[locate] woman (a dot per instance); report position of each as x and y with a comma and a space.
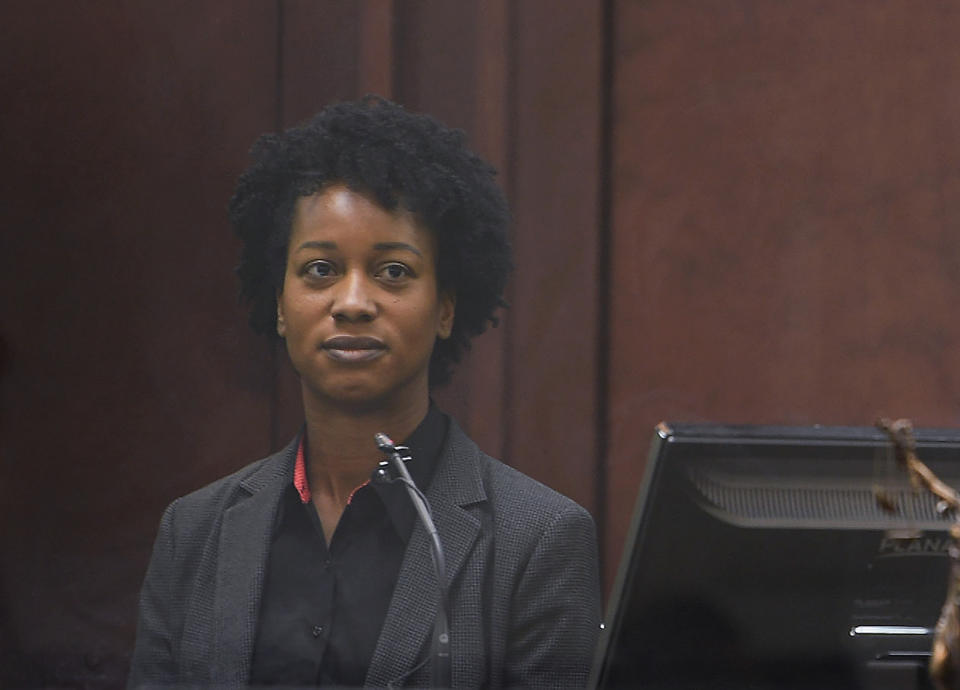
375, 245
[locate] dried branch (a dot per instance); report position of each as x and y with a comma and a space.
944, 665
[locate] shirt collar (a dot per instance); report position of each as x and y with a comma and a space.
424, 443
300, 474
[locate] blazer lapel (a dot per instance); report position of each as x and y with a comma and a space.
409, 622
245, 538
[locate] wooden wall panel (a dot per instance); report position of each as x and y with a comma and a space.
451, 63
521, 77
129, 376
377, 34
785, 209
552, 384
481, 378
321, 45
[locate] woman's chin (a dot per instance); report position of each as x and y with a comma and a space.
365, 397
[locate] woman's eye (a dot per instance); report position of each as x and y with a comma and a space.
318, 269
394, 271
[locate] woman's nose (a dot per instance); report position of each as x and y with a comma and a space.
353, 298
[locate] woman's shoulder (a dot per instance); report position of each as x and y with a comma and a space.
515, 495
211, 499
511, 483
532, 520
522, 504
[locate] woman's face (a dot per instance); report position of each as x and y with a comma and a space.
360, 307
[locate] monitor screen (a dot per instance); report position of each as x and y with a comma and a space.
759, 557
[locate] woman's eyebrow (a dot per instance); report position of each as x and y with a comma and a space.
317, 244
379, 246
382, 246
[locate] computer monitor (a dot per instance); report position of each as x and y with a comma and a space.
758, 557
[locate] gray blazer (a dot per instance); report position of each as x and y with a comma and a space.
522, 573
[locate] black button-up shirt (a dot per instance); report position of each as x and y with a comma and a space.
323, 605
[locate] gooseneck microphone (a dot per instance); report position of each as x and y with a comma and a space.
440, 676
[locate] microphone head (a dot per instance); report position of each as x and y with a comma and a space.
383, 442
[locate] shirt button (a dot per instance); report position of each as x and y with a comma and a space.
317, 630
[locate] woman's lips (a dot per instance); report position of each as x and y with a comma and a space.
348, 348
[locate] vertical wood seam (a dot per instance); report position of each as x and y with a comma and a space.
604, 282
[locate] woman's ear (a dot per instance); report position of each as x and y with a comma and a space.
448, 308
281, 322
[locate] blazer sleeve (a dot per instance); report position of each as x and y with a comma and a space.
555, 617
153, 655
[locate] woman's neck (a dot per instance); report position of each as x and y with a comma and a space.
341, 452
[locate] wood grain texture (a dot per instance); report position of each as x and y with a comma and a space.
782, 245
553, 357
784, 219
454, 63
129, 376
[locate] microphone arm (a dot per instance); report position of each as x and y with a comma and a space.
440, 648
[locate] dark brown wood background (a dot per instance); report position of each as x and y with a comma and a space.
727, 211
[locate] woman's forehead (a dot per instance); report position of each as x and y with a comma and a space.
338, 209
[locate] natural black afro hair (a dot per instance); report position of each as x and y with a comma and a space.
398, 158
